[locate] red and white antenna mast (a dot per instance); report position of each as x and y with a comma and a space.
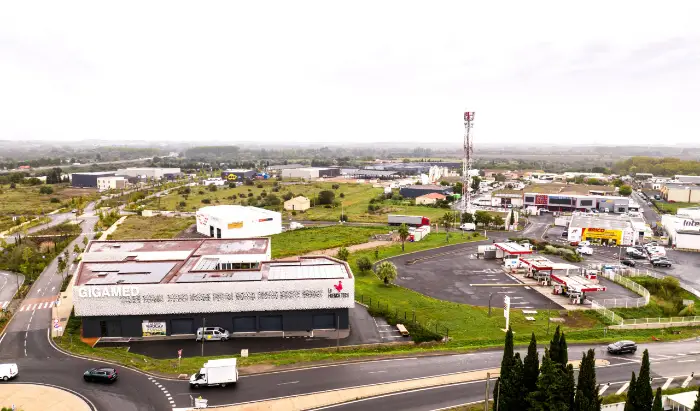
467, 160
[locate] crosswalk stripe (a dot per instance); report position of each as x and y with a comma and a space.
603, 388
46, 304
623, 388
666, 384
24, 307
687, 381
5, 304
33, 307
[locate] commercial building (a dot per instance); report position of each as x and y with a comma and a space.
683, 229
237, 174
172, 287
235, 221
430, 198
680, 192
297, 204
145, 173
576, 202
606, 229
111, 183
368, 174
89, 179
415, 191
216, 181
506, 199
308, 173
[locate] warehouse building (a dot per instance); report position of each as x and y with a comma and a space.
89, 179
235, 221
415, 191
111, 183
604, 229
308, 173
680, 192
576, 202
237, 174
683, 229
172, 287
145, 173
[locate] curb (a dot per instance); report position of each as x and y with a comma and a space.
77, 394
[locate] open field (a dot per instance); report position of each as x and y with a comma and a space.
137, 227
672, 208
26, 200
666, 299
306, 240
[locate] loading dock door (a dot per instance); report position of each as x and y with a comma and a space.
244, 324
218, 233
211, 231
271, 323
324, 321
182, 326
114, 328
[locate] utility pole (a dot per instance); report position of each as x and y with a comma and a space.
467, 160
486, 395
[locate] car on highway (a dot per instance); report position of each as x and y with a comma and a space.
622, 347
212, 334
103, 374
628, 262
8, 371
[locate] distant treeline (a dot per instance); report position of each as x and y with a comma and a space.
666, 166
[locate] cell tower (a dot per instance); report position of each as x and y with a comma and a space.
467, 160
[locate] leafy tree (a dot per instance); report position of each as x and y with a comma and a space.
446, 222
531, 366
403, 235
343, 254
326, 197
457, 187
497, 220
85, 240
467, 218
625, 190
62, 265
476, 181
364, 264
658, 406
386, 271
587, 398
482, 217
631, 397
76, 249
500, 177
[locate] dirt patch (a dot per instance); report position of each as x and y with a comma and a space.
579, 319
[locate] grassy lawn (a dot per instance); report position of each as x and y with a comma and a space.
666, 299
672, 208
305, 240
26, 200
143, 228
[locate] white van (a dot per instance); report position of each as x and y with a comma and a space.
8, 371
212, 334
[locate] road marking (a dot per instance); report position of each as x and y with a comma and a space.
290, 382
666, 384
681, 354
376, 372
686, 361
603, 388
623, 388
5, 304
687, 381
695, 352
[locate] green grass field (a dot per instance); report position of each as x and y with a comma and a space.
672, 208
666, 301
26, 200
306, 240
144, 228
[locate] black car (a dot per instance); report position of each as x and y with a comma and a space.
100, 375
638, 256
622, 347
628, 262
661, 263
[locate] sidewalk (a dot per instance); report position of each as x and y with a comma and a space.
29, 397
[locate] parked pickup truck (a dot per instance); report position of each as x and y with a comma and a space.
216, 372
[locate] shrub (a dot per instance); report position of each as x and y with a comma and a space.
13, 185
45, 190
55, 200
200, 192
206, 201
344, 217
335, 186
342, 195
363, 264
326, 197
259, 186
250, 194
212, 187
343, 254
287, 196
294, 212
183, 204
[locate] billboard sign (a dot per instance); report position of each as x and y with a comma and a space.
153, 328
235, 224
541, 199
602, 234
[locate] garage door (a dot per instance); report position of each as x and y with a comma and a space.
244, 324
322, 321
271, 323
182, 326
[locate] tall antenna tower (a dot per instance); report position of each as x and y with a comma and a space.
467, 160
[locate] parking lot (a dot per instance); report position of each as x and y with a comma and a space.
455, 274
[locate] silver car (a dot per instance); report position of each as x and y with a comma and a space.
212, 334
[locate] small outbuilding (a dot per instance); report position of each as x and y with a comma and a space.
430, 198
299, 203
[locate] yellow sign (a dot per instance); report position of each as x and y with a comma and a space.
601, 233
231, 177
238, 224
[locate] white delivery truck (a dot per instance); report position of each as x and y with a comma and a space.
8, 371
467, 227
216, 372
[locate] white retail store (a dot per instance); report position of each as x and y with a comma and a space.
234, 221
683, 229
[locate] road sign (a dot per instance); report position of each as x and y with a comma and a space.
56, 323
506, 310
179, 354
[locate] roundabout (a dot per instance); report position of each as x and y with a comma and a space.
34, 397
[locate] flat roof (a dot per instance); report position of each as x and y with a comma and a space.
606, 221
237, 170
237, 211
95, 173
577, 283
197, 261
513, 248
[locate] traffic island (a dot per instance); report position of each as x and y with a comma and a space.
33, 397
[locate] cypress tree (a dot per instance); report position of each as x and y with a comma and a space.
508, 390
563, 351
569, 386
549, 394
644, 395
587, 398
554, 346
696, 407
657, 402
630, 403
531, 367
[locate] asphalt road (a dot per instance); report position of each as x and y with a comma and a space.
9, 283
56, 219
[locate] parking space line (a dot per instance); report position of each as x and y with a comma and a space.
666, 384
623, 388
687, 381
603, 388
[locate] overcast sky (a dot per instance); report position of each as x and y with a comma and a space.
622, 72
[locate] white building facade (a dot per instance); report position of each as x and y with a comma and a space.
235, 221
